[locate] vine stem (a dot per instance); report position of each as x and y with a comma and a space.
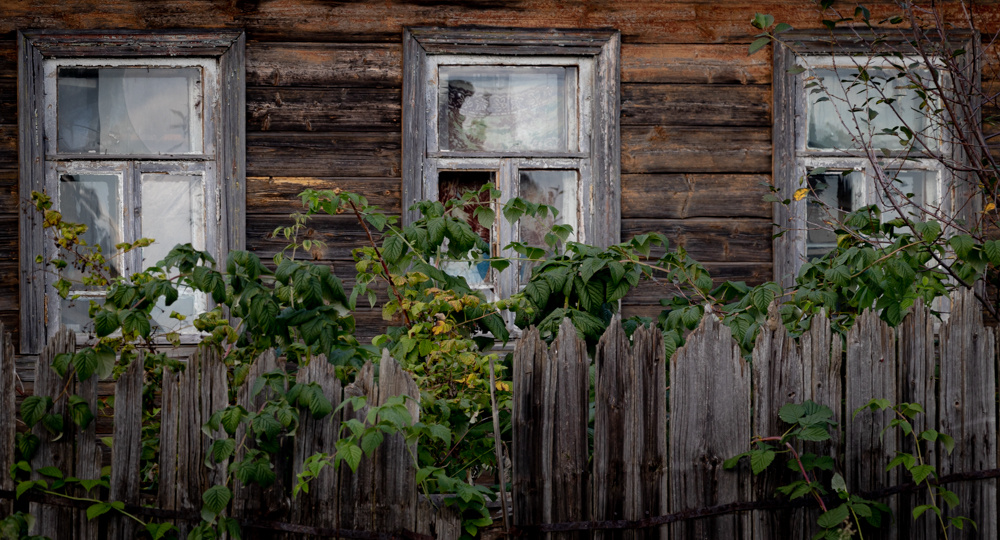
381, 260
802, 468
95, 501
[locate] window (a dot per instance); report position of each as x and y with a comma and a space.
533, 112
139, 135
831, 112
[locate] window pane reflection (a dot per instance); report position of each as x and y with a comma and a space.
506, 108
93, 200
129, 110
554, 188
452, 185
831, 197
831, 125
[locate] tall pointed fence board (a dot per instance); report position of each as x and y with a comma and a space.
126, 451
189, 399
785, 371
73, 451
871, 374
630, 422
917, 383
8, 418
709, 423
967, 409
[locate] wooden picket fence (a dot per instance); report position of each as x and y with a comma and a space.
618, 441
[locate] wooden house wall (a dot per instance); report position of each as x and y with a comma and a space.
324, 108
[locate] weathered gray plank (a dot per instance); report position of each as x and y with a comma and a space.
325, 64
693, 63
87, 458
967, 409
316, 435
709, 423
127, 446
526, 455
250, 501
442, 522
8, 420
168, 463
673, 149
683, 196
564, 430
356, 487
789, 371
695, 105
395, 500
917, 384
871, 374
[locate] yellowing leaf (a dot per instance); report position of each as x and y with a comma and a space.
989, 207
503, 386
801, 194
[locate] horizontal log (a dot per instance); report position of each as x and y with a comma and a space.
8, 100
695, 105
8, 237
652, 291
666, 149
646, 21
693, 64
324, 64
8, 191
341, 234
326, 109
8, 146
710, 240
280, 195
9, 299
679, 196
366, 154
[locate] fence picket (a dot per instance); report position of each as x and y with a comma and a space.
395, 490
127, 446
526, 456
319, 506
709, 422
968, 411
8, 420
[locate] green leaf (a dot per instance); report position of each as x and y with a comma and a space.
392, 248
33, 408
834, 517
919, 511
217, 498
351, 454
23, 487
105, 322
95, 510
370, 441
158, 530
962, 244
761, 460
51, 472
921, 472
758, 44
814, 433
791, 413
485, 215
838, 484
222, 449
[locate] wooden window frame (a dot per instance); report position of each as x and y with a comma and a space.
597, 157
226, 49
791, 160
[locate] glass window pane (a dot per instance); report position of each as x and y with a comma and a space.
831, 125
173, 212
452, 185
93, 200
497, 109
554, 188
831, 197
129, 110
74, 314
917, 189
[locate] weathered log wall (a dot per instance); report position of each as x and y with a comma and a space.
323, 110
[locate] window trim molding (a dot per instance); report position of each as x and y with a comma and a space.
789, 219
603, 46
34, 47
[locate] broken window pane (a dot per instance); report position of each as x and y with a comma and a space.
831, 197
123, 111
452, 185
93, 200
173, 212
884, 102
554, 188
495, 109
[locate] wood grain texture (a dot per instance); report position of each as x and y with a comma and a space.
786, 370
8, 192
356, 487
373, 153
127, 450
695, 105
650, 292
319, 507
280, 195
528, 491
8, 421
301, 65
967, 409
668, 149
323, 109
394, 488
682, 196
341, 234
31, 170
693, 63
710, 240
871, 374
706, 432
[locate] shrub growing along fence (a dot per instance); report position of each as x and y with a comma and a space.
640, 466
